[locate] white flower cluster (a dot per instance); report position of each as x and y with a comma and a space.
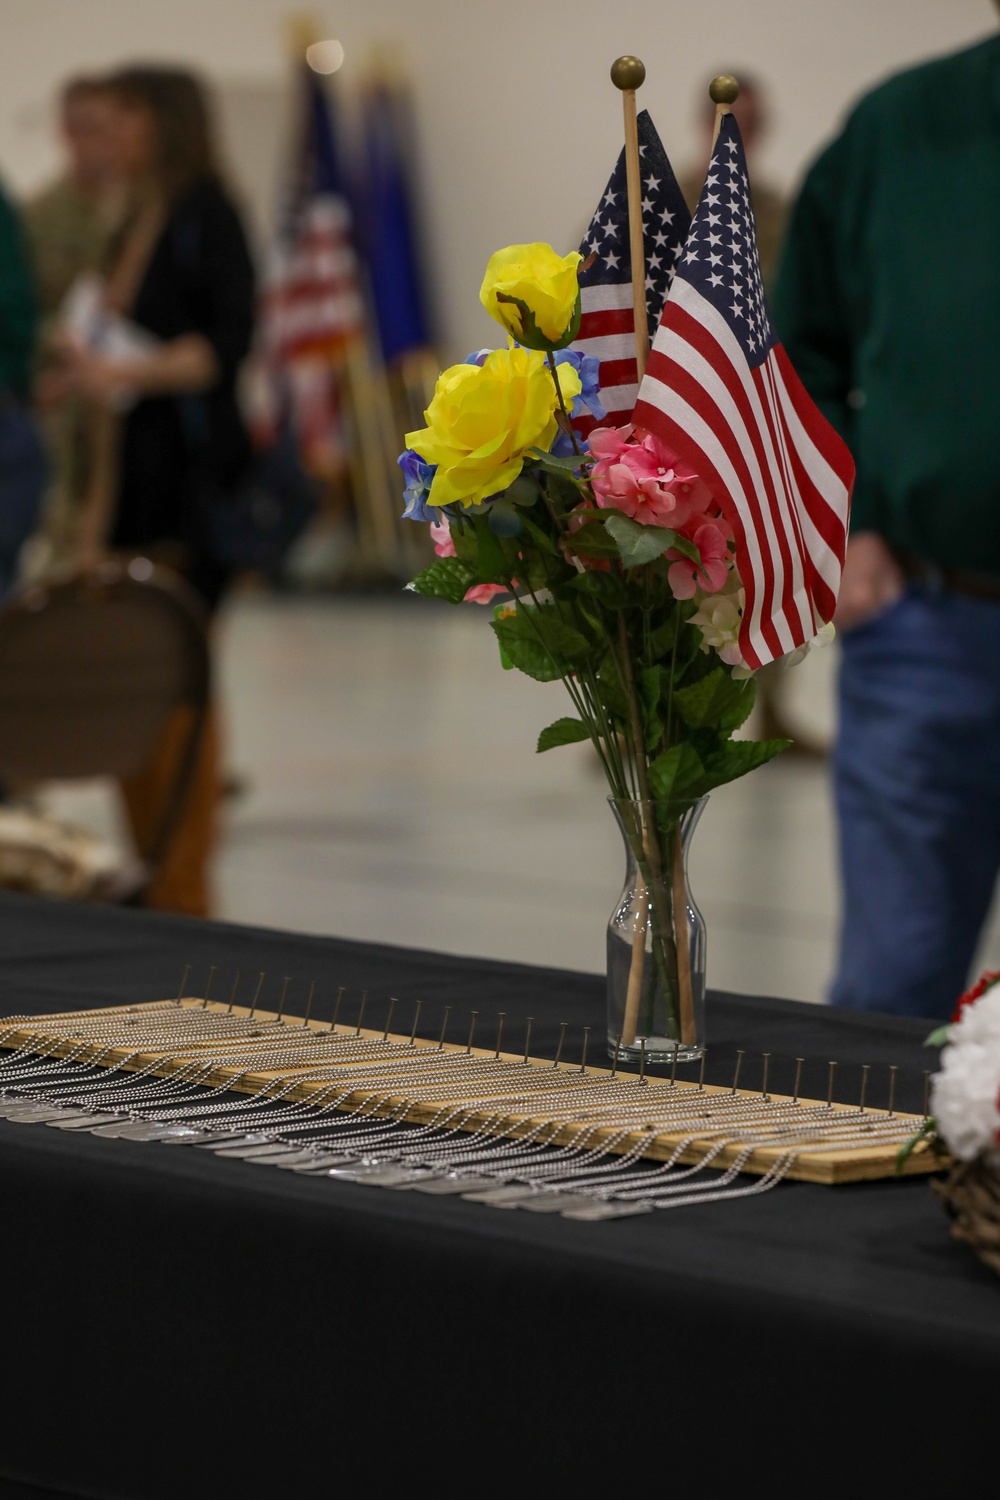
966, 1093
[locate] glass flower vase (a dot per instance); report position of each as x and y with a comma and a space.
656, 937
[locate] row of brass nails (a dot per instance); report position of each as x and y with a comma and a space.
563, 1028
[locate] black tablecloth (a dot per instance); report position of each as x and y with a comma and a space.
178, 1325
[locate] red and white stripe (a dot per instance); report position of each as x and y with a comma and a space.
312, 298
780, 472
607, 330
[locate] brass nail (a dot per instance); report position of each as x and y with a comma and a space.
831, 1070
865, 1070
309, 1003
798, 1079
444, 1027
927, 1093
618, 1047
642, 1059
527, 1038
183, 984
208, 986
388, 1019
767, 1067
284, 997
472, 1029
583, 1055
416, 1022
502, 1018
892, 1090
701, 1071
260, 986
336, 1008
361, 1012
562, 1037
673, 1064
736, 1075
232, 995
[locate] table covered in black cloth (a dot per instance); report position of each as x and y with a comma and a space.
180, 1326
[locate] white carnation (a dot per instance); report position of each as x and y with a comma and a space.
966, 1093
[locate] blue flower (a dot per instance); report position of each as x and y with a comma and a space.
588, 403
588, 367
419, 476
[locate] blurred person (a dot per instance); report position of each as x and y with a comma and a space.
889, 306
70, 222
70, 225
158, 360
23, 465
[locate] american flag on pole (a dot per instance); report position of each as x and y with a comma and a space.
312, 305
720, 390
607, 324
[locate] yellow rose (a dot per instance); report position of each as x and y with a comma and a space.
483, 418
535, 294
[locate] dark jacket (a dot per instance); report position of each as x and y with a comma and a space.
888, 303
199, 280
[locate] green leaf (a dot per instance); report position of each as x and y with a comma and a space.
541, 538
644, 544
677, 773
539, 643
591, 540
715, 698
928, 1129
448, 578
605, 588
939, 1037
650, 683
737, 757
531, 336
562, 732
522, 492
566, 465
495, 556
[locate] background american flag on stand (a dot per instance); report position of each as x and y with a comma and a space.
720, 390
312, 305
607, 324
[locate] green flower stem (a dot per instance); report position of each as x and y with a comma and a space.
662, 907
550, 357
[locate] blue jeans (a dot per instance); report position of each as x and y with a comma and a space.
23, 474
917, 776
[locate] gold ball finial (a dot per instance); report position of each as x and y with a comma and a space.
627, 72
724, 89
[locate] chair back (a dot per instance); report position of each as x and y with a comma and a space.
93, 668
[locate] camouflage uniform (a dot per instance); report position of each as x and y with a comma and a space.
69, 233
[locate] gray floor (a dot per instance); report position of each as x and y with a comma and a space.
393, 794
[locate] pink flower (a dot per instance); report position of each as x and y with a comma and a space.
645, 479
441, 537
710, 575
482, 593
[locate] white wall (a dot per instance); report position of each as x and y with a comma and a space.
519, 125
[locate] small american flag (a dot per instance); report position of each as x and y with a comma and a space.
720, 390
312, 305
607, 324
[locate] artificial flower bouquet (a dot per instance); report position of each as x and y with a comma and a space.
608, 565
965, 1118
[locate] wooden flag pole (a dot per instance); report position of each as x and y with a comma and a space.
723, 92
627, 74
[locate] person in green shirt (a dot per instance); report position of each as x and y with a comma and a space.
888, 303
22, 456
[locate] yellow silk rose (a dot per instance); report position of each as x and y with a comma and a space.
483, 418
535, 294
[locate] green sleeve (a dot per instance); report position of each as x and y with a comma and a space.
18, 305
812, 305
